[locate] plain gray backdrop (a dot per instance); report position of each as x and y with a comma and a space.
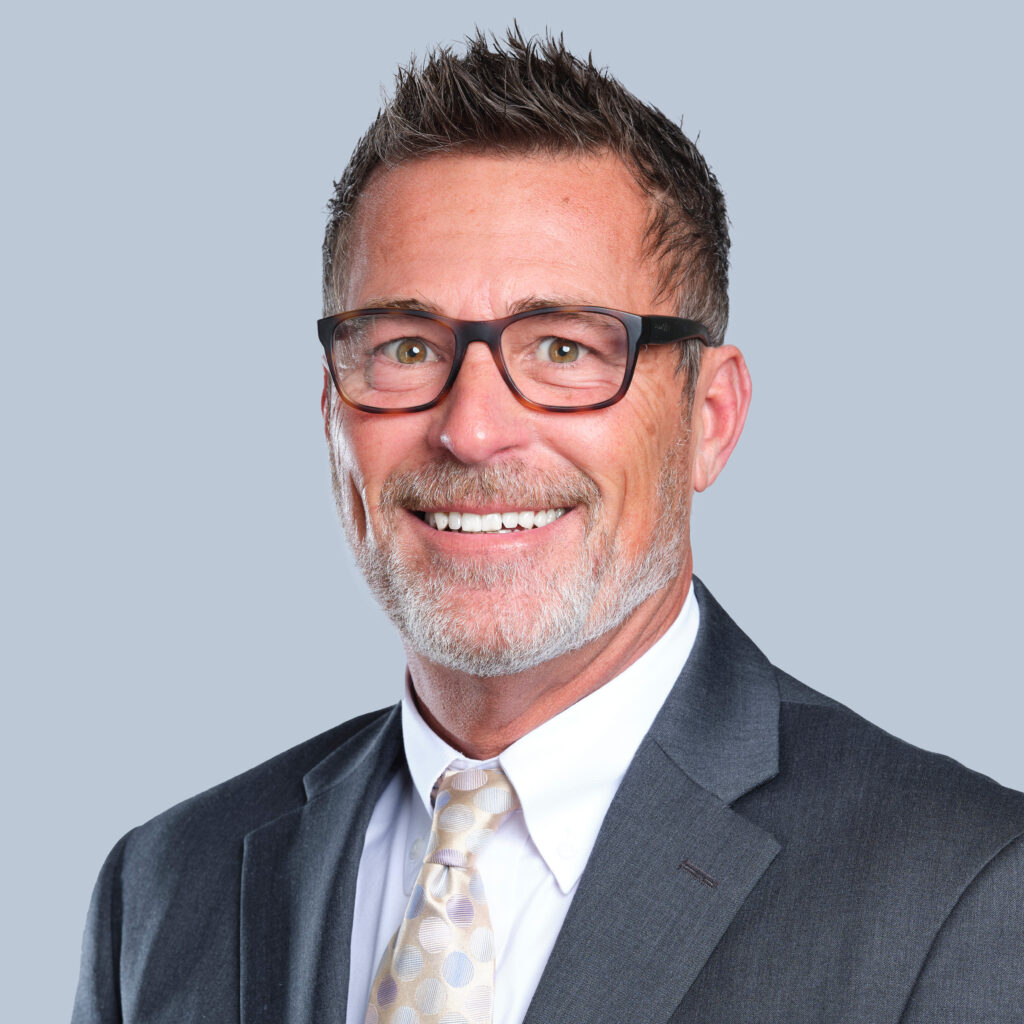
178, 603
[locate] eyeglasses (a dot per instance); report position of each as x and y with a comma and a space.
556, 359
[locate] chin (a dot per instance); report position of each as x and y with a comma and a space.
489, 621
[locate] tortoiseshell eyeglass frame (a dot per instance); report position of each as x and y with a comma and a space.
640, 331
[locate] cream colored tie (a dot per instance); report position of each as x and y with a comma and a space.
439, 967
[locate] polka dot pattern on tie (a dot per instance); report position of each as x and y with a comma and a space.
439, 967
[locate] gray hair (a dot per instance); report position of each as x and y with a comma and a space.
534, 96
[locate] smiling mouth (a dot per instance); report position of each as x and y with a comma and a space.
491, 522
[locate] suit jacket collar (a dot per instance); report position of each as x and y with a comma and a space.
720, 723
360, 759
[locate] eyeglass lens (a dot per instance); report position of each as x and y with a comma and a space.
564, 358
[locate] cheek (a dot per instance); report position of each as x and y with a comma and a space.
649, 431
345, 475
339, 438
626, 469
371, 448
647, 472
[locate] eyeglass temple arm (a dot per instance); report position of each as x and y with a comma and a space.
662, 330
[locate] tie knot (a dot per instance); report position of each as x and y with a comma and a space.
468, 808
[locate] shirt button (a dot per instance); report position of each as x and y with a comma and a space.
416, 849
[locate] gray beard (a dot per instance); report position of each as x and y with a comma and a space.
531, 612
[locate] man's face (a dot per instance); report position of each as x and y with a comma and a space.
479, 237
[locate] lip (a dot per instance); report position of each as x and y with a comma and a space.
479, 509
456, 542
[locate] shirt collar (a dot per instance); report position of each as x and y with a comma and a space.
567, 770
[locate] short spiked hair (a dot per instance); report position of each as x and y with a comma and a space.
534, 96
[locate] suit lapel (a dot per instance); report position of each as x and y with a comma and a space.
298, 886
673, 862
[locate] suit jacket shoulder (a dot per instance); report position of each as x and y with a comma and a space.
167, 925
889, 856
226, 812
858, 775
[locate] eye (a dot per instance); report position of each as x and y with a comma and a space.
560, 350
409, 351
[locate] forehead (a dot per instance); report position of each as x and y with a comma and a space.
475, 234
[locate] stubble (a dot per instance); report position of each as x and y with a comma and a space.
492, 619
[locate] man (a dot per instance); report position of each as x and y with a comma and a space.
597, 801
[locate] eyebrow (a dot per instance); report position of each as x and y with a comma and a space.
523, 305
541, 301
388, 302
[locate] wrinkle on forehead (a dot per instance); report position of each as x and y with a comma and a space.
544, 213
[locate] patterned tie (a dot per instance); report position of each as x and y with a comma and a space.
439, 967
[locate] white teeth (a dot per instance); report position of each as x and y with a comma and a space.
492, 522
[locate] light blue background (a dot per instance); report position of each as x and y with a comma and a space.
178, 604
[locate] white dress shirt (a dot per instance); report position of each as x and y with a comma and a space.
565, 772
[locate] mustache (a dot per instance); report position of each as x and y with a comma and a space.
444, 484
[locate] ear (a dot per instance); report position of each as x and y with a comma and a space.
719, 411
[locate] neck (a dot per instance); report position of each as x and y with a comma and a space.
480, 717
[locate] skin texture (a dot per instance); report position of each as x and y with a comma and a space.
478, 237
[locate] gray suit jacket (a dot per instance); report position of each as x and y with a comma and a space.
769, 857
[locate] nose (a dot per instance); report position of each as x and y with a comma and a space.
480, 418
